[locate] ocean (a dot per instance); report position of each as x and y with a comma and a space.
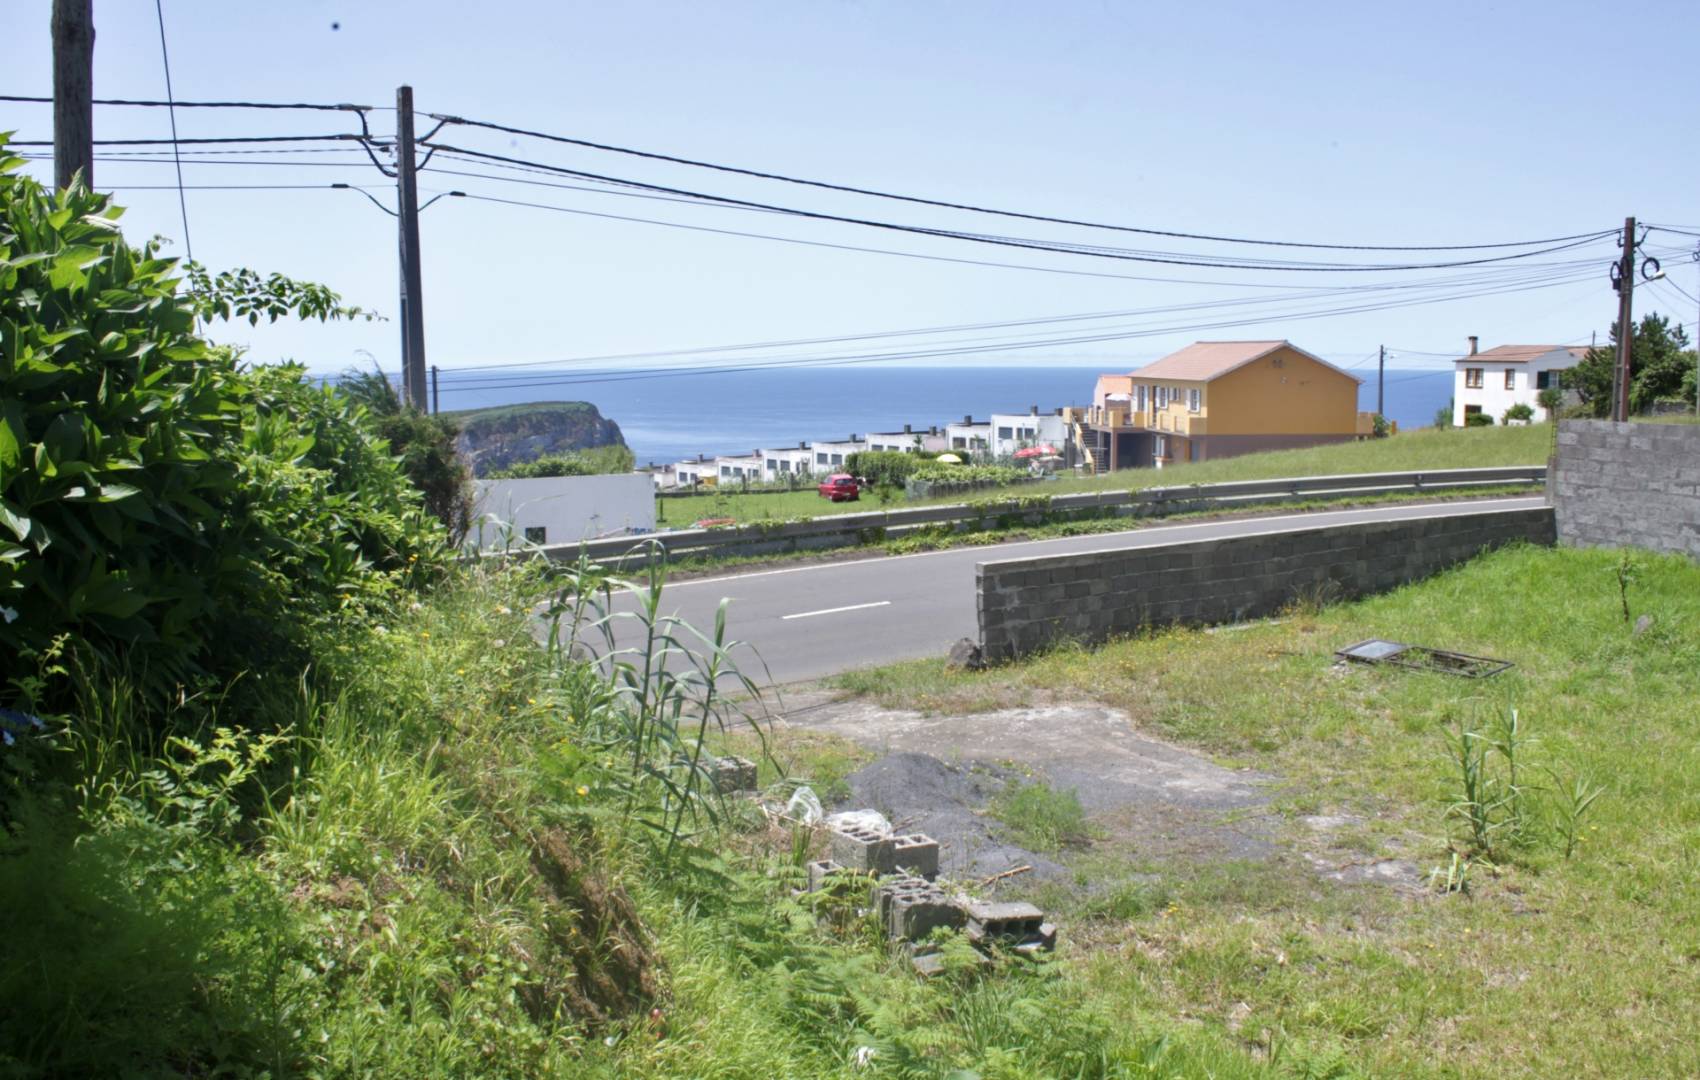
680, 416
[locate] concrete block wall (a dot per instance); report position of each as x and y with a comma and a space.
1026, 604
1628, 485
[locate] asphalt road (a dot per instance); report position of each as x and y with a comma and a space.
820, 619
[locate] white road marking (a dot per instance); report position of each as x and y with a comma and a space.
836, 610
1465, 506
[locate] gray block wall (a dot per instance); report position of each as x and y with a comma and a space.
1628, 485
1026, 604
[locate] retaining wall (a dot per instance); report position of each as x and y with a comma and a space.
1026, 604
1628, 485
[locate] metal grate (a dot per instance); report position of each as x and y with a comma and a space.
1422, 658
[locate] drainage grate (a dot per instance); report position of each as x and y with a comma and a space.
1422, 658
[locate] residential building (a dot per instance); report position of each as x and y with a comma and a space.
1217, 399
690, 473
908, 440
781, 464
559, 509
969, 437
1013, 431
738, 468
662, 476
1493, 381
829, 455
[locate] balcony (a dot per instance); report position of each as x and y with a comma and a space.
1111, 418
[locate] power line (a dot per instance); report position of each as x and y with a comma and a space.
167, 104
171, 111
826, 185
1163, 258
340, 137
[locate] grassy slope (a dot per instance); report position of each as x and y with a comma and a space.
1548, 967
1426, 448
499, 413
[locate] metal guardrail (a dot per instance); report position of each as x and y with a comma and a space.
839, 530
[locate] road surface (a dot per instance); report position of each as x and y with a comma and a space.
824, 618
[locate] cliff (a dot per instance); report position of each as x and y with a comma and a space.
498, 437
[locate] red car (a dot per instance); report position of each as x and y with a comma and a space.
841, 487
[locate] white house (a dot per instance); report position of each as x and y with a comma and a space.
690, 473
781, 464
908, 440
737, 469
1491, 382
829, 456
1012, 431
969, 437
560, 509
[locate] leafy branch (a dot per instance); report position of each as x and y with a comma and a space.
244, 294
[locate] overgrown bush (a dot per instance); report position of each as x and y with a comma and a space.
170, 513
425, 445
1478, 419
882, 467
1519, 411
969, 474
589, 461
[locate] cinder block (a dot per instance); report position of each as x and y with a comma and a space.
733, 774
863, 850
821, 870
916, 853
1006, 922
913, 913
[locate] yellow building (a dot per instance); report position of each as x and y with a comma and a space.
1217, 399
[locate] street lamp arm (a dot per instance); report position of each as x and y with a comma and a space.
369, 198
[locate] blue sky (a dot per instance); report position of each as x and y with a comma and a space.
1436, 123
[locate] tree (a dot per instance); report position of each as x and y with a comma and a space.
426, 446
1658, 367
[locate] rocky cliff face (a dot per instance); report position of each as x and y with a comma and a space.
497, 438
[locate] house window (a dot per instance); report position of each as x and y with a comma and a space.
820, 459
536, 534
957, 442
838, 459
1160, 446
1547, 380
1006, 433
1141, 397
1162, 396
773, 464
1511, 378
1194, 400
1473, 378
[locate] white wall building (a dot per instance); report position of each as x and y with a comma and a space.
1491, 382
560, 509
736, 469
781, 464
1012, 431
969, 437
692, 472
906, 441
830, 455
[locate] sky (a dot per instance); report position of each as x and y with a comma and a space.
1349, 123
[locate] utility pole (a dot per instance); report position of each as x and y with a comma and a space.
73, 91
435, 408
407, 213
1625, 322
1381, 384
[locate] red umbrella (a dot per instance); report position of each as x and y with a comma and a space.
1044, 450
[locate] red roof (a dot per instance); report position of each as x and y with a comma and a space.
1205, 360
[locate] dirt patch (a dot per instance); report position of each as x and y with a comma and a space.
938, 774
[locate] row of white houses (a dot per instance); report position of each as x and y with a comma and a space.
997, 436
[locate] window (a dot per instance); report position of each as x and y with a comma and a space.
1141, 397
957, 442
774, 464
1549, 380
1160, 446
1473, 378
838, 459
1006, 433
536, 534
820, 459
1194, 400
1162, 397
1511, 378
1027, 433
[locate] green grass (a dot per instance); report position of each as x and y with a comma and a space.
1547, 965
1041, 818
1424, 448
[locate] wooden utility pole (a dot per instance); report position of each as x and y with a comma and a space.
435, 407
73, 91
407, 213
1625, 322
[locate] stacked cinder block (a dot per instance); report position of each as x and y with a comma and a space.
1018, 925
912, 907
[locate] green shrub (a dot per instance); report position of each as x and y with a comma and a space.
1478, 420
1519, 411
882, 468
590, 461
168, 511
1041, 818
969, 474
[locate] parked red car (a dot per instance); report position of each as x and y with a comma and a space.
841, 487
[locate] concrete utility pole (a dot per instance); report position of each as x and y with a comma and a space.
1625, 322
73, 91
1381, 384
407, 213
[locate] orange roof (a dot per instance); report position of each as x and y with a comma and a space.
1517, 354
1205, 360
